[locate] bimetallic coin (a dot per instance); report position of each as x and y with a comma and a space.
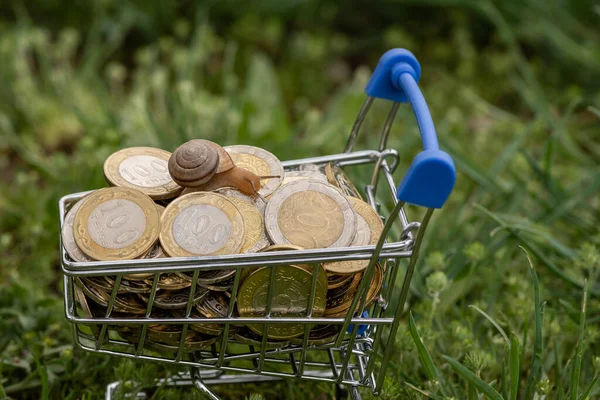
200, 224
160, 209
116, 223
142, 168
260, 162
368, 232
67, 235
337, 177
293, 176
253, 212
290, 298
311, 214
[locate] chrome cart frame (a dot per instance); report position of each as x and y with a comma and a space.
357, 358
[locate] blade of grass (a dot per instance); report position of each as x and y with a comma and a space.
424, 356
504, 381
536, 251
423, 392
536, 362
586, 393
473, 379
576, 371
514, 367
496, 325
43, 373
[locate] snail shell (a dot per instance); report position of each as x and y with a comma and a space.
225, 161
195, 162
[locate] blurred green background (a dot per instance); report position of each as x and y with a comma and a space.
513, 89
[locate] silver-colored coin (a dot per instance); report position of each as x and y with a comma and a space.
261, 163
311, 214
293, 176
131, 215
67, 235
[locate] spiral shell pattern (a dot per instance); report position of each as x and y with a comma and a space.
194, 162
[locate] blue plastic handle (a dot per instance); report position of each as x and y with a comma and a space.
431, 175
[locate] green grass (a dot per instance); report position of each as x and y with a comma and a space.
513, 89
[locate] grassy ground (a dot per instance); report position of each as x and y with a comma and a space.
513, 88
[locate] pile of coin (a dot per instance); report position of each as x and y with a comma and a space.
207, 200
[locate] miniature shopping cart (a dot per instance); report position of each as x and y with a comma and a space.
360, 354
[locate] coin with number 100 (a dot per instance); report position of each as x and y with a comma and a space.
201, 224
116, 223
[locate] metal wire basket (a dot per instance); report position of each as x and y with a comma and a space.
357, 356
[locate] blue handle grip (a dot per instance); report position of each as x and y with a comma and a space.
431, 175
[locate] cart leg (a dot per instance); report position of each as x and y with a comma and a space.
354, 393
343, 392
198, 384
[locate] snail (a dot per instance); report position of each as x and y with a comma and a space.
204, 165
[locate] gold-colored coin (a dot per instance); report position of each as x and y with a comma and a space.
337, 177
116, 223
254, 224
335, 281
290, 298
311, 214
342, 303
368, 232
142, 168
201, 224
319, 335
